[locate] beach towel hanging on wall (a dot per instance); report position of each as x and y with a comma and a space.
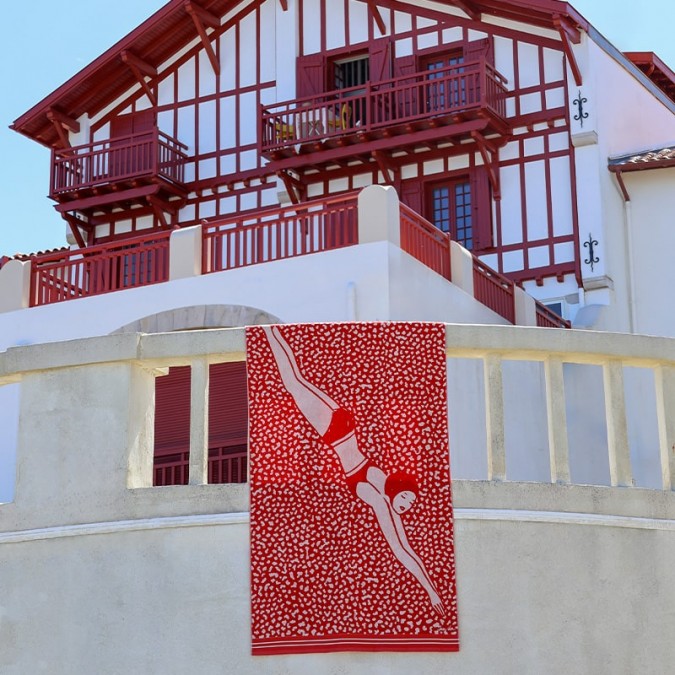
351, 512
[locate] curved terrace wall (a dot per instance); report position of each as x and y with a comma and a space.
104, 574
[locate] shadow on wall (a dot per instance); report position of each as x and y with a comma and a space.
198, 317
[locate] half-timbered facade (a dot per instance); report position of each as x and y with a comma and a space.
492, 119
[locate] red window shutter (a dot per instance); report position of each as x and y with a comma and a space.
381, 60
404, 67
311, 75
134, 123
228, 405
172, 412
480, 48
482, 209
411, 195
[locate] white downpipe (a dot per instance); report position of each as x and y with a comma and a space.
628, 224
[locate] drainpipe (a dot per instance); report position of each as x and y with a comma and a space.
628, 238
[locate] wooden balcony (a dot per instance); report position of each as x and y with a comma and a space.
118, 170
424, 108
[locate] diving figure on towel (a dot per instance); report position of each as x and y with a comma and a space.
389, 496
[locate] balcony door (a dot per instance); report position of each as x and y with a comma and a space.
131, 144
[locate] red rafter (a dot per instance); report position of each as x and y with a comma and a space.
488, 154
377, 17
140, 69
75, 224
62, 122
468, 7
200, 17
563, 28
284, 5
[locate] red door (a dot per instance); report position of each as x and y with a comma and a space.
131, 144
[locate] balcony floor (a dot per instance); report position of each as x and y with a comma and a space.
120, 193
406, 138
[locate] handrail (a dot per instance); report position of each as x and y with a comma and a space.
454, 89
278, 233
148, 153
103, 268
547, 318
494, 290
424, 241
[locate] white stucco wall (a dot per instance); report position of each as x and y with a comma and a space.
626, 117
652, 223
102, 578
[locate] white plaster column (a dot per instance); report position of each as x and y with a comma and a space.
15, 285
461, 267
185, 253
379, 215
85, 436
526, 308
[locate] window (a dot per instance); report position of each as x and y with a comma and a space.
451, 210
353, 72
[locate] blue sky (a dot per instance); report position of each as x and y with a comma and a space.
41, 51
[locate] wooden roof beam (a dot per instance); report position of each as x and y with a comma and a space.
140, 69
377, 17
389, 171
200, 17
143, 66
295, 188
489, 155
284, 5
75, 223
468, 7
61, 123
563, 27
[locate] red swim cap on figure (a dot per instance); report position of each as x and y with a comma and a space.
400, 482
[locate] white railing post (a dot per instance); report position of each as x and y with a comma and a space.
617, 427
379, 215
199, 422
15, 285
185, 252
525, 308
461, 267
557, 421
494, 417
664, 377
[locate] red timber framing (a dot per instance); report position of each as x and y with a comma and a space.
219, 78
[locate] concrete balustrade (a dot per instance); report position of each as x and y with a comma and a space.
491, 346
542, 568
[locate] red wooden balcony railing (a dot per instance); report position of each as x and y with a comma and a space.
425, 242
225, 466
547, 318
471, 87
276, 234
150, 154
66, 275
494, 290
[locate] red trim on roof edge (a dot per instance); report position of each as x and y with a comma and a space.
171, 28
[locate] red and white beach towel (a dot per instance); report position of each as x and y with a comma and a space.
324, 577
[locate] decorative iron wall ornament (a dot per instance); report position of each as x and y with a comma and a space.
590, 245
579, 102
